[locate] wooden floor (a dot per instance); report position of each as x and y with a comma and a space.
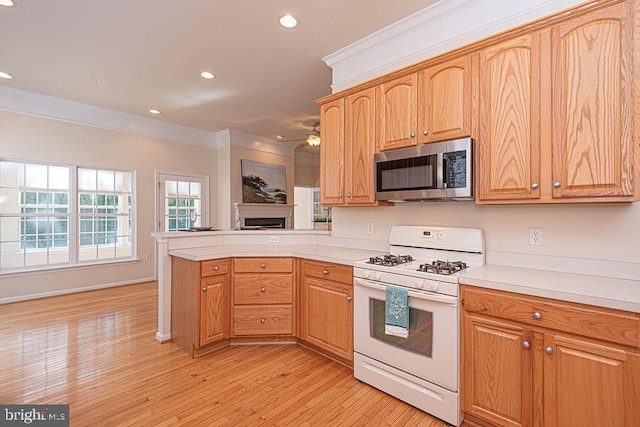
96, 352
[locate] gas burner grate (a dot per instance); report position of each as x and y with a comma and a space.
443, 267
390, 260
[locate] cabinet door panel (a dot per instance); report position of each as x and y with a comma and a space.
497, 372
589, 384
214, 309
592, 105
397, 113
508, 144
332, 153
444, 101
360, 146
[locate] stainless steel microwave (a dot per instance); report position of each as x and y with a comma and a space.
439, 170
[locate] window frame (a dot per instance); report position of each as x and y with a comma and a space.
161, 178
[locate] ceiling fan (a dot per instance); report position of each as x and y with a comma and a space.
313, 136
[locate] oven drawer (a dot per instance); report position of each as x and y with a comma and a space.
263, 265
328, 271
263, 289
263, 320
599, 323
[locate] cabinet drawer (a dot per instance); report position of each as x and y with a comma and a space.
214, 266
333, 272
263, 289
589, 321
263, 320
263, 265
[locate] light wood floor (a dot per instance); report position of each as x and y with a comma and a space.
96, 352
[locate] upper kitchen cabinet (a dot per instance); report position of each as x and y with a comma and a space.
346, 152
433, 104
444, 101
508, 140
592, 112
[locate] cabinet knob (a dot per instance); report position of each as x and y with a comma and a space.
262, 320
534, 185
425, 132
263, 290
204, 289
556, 185
548, 350
325, 272
413, 135
526, 344
340, 195
348, 195
263, 266
537, 316
349, 298
216, 268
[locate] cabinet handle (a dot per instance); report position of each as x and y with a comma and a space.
216, 268
556, 185
339, 195
526, 344
325, 272
425, 132
548, 350
262, 320
534, 185
263, 266
204, 289
348, 195
537, 316
349, 298
263, 290
413, 135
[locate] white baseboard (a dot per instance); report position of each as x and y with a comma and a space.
161, 338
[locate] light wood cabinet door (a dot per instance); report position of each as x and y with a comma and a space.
497, 371
397, 107
444, 101
592, 117
508, 141
214, 309
328, 316
360, 115
332, 155
589, 384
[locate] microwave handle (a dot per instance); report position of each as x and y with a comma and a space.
445, 169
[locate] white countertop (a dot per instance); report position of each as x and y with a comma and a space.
594, 290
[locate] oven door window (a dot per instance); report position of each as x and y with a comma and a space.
416, 173
420, 340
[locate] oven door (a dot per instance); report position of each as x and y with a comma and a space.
431, 349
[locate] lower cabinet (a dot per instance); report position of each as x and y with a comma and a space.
200, 300
531, 361
327, 308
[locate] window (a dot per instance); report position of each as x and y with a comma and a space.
53, 215
182, 201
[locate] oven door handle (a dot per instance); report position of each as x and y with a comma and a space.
427, 296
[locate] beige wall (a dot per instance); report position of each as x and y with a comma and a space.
24, 137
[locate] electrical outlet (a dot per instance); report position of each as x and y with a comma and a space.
369, 228
274, 239
535, 236
147, 256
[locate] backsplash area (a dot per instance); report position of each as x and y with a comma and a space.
572, 235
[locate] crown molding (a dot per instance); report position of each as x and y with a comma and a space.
34, 104
236, 138
436, 29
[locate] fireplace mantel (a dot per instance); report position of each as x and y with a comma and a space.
262, 210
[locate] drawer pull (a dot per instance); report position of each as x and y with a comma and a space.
325, 272
548, 350
262, 320
216, 268
537, 316
526, 344
263, 290
204, 289
349, 298
263, 266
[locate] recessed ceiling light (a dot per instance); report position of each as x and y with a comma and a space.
7, 3
4, 75
91, 80
154, 111
207, 75
279, 137
288, 21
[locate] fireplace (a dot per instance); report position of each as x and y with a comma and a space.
256, 215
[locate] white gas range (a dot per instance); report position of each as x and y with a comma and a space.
423, 368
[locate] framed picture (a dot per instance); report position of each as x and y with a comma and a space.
263, 183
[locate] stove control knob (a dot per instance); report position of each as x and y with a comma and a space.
420, 284
435, 287
378, 276
366, 274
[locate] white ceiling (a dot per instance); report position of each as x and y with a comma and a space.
149, 53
